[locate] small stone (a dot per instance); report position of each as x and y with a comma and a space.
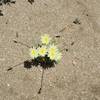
8, 84
74, 62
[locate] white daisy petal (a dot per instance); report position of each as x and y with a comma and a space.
33, 52
45, 39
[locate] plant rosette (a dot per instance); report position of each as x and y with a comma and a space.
47, 54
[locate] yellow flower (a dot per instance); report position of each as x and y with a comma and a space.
52, 52
33, 53
42, 51
45, 39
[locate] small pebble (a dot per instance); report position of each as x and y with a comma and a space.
74, 62
8, 84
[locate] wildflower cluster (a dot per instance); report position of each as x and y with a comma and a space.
47, 52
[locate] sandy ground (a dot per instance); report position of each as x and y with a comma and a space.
77, 76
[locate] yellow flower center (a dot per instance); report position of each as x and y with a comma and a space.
45, 39
33, 52
42, 51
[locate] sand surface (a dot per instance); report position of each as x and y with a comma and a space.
77, 76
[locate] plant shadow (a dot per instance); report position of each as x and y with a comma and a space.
43, 62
